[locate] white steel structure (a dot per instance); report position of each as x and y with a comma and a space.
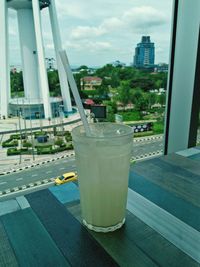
36, 88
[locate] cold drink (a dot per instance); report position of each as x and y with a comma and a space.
103, 161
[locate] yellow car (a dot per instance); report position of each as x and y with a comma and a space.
65, 178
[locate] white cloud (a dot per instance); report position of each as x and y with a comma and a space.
86, 32
76, 9
105, 30
136, 19
90, 46
144, 17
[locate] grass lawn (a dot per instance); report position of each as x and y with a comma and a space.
158, 127
130, 115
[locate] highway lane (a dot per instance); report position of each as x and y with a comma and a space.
58, 167
150, 146
46, 171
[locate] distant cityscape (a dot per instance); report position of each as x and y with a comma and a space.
143, 58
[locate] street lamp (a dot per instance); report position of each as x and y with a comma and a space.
20, 130
61, 113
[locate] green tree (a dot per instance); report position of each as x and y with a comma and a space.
152, 98
54, 84
111, 109
162, 99
139, 99
124, 93
16, 82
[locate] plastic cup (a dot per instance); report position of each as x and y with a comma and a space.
103, 161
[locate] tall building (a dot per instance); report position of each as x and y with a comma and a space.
36, 87
144, 53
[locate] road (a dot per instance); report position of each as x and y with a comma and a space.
38, 173
55, 168
146, 147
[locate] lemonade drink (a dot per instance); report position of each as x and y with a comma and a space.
103, 161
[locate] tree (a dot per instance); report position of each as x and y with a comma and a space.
139, 99
152, 97
144, 83
16, 82
124, 93
54, 83
111, 107
162, 99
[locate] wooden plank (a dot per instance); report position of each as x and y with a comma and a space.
118, 245
183, 162
30, 241
7, 256
183, 236
75, 243
138, 245
181, 182
167, 200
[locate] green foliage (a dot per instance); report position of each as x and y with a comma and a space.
44, 150
111, 109
70, 146
152, 98
10, 143
16, 82
59, 142
26, 144
68, 138
102, 90
139, 99
41, 133
130, 115
158, 127
12, 151
144, 83
90, 93
143, 134
162, 99
54, 84
59, 149
15, 136
124, 93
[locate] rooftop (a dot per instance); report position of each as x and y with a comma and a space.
162, 226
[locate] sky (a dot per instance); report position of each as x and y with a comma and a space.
98, 32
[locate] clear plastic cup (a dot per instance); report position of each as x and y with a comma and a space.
103, 161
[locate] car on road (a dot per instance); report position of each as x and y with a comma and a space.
65, 178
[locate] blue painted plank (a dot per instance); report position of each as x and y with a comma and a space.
65, 193
76, 244
178, 207
31, 243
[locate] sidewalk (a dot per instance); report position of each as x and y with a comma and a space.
13, 123
8, 163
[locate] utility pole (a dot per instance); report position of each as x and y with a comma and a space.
24, 118
20, 129
32, 141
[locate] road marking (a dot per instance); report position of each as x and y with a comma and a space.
3, 183
19, 179
49, 172
34, 175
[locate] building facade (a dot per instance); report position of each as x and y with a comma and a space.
90, 82
144, 53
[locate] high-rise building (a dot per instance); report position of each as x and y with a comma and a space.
144, 53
